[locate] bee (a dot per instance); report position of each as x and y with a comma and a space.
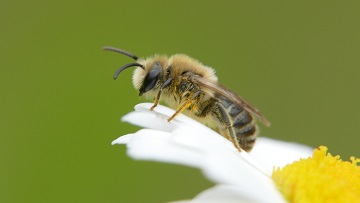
193, 89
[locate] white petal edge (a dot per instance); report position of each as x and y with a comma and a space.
154, 145
228, 194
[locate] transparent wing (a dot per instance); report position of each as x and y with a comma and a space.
225, 92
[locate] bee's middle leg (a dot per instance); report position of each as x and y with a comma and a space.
181, 109
189, 101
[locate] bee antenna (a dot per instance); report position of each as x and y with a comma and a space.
113, 49
127, 66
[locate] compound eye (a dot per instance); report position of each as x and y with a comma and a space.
151, 78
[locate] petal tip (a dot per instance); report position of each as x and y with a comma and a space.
125, 139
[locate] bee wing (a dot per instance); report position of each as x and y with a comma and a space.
225, 92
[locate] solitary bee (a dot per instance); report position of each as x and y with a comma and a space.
192, 88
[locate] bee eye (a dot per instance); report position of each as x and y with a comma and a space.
151, 78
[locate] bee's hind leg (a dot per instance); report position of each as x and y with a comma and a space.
228, 131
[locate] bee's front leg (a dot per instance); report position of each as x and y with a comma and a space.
157, 99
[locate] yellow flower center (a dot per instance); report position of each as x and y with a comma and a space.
320, 178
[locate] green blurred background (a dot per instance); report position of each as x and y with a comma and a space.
299, 63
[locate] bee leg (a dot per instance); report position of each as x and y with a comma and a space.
225, 133
230, 134
185, 105
156, 102
181, 109
157, 99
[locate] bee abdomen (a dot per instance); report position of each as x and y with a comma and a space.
246, 136
241, 119
242, 124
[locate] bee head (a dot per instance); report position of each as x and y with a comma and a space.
149, 74
151, 78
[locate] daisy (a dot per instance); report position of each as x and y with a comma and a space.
263, 175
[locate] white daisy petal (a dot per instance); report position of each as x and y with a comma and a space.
123, 139
185, 141
157, 145
148, 119
230, 169
220, 165
229, 194
275, 153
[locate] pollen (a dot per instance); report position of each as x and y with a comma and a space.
320, 178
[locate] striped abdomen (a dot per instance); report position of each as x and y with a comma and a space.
238, 124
